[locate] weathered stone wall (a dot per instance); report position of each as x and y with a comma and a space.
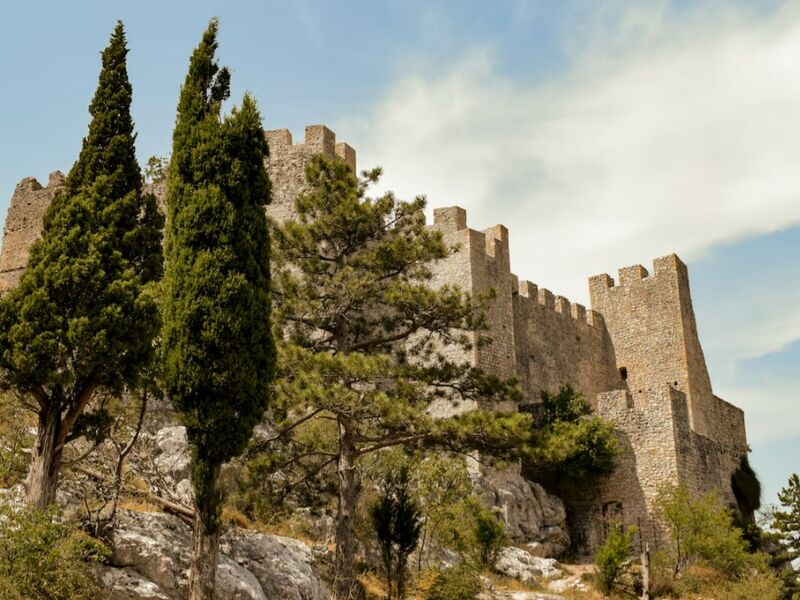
558, 343
653, 425
24, 225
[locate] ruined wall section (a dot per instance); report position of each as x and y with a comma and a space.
651, 323
287, 162
24, 225
558, 343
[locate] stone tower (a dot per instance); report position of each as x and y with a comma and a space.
652, 327
24, 225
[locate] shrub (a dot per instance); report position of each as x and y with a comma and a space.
490, 536
455, 583
396, 519
571, 445
703, 533
610, 558
753, 586
42, 559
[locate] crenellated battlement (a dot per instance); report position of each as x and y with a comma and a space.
318, 140
635, 274
490, 244
530, 292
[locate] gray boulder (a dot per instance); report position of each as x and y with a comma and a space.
520, 564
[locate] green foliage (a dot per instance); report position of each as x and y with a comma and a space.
571, 446
218, 349
83, 317
42, 559
397, 523
155, 171
747, 488
80, 315
703, 533
755, 585
611, 556
490, 536
565, 406
460, 582
787, 521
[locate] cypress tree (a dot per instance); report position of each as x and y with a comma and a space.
218, 350
82, 319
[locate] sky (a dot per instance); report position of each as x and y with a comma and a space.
603, 133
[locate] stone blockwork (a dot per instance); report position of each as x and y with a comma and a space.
24, 225
636, 356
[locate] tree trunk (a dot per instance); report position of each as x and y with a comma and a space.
346, 587
42, 480
205, 541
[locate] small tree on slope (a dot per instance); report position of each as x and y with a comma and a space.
82, 319
786, 532
218, 351
363, 332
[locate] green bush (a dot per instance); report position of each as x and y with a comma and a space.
490, 536
610, 558
703, 533
42, 559
571, 445
455, 583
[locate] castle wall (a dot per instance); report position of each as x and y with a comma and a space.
24, 225
558, 343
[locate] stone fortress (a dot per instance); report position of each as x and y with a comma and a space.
635, 355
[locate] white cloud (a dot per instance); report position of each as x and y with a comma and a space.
682, 133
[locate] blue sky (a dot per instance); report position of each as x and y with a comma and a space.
603, 133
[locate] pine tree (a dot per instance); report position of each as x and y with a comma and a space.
218, 350
82, 320
786, 528
364, 337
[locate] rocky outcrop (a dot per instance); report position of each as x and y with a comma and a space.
531, 516
152, 552
520, 564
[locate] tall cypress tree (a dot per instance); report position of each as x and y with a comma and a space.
82, 318
218, 351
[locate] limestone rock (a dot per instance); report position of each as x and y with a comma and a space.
127, 584
573, 582
520, 564
530, 515
152, 555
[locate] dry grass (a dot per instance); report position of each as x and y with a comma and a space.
232, 516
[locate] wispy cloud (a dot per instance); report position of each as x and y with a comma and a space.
681, 132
